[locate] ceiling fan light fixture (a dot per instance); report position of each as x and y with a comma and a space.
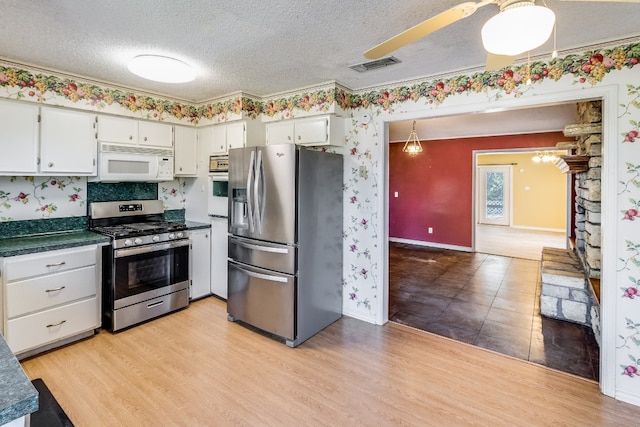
161, 69
518, 28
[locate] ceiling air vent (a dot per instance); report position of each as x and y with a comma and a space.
378, 63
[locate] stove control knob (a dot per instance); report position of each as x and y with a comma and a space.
128, 242
138, 241
155, 238
180, 234
172, 236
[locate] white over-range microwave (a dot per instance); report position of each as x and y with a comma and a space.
120, 163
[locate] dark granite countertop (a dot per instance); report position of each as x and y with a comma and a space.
193, 225
18, 397
48, 242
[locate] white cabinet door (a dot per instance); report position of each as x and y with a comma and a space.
67, 142
200, 258
219, 145
205, 140
18, 138
311, 131
116, 129
280, 133
236, 135
219, 253
186, 153
155, 134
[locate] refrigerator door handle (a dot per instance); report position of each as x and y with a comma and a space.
262, 276
259, 208
259, 247
249, 201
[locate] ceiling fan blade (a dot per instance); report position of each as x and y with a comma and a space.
612, 1
427, 27
498, 62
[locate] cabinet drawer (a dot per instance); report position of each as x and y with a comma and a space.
48, 291
45, 327
23, 266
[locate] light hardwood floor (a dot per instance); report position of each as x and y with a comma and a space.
516, 242
195, 368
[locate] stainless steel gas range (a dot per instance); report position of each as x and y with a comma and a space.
146, 267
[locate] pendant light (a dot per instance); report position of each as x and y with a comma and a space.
412, 146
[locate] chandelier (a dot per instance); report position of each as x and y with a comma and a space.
412, 146
544, 157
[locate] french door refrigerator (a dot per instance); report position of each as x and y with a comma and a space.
285, 240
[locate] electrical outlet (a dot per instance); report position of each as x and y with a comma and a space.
395, 194
430, 230
363, 172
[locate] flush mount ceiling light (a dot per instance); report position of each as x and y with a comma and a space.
412, 146
520, 26
161, 69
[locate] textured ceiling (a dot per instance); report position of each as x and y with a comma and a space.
266, 47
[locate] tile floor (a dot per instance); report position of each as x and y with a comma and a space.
489, 301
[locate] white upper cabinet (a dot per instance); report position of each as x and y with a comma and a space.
205, 140
130, 131
18, 138
155, 134
118, 130
219, 141
322, 130
312, 131
280, 132
67, 142
43, 140
244, 133
236, 135
186, 153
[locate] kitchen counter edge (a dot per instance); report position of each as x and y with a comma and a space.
18, 396
48, 242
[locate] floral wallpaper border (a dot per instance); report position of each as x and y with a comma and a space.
589, 67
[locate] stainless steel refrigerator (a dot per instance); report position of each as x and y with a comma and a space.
285, 240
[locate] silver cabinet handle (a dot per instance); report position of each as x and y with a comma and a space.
56, 264
130, 137
52, 325
145, 138
299, 137
55, 289
50, 164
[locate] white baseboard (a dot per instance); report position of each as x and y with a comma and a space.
431, 244
359, 316
525, 227
633, 399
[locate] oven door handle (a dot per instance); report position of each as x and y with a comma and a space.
120, 253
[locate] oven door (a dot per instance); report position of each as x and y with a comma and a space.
146, 272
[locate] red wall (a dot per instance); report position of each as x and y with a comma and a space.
435, 186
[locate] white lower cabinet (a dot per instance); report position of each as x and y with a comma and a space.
50, 297
200, 257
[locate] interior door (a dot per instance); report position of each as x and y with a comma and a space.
494, 195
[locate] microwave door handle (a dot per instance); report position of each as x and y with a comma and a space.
249, 201
259, 210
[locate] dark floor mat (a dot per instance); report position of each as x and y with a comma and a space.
50, 414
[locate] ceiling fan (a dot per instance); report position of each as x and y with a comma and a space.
520, 26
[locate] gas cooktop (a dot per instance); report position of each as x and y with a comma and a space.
139, 229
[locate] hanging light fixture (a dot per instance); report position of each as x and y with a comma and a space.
520, 26
412, 146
